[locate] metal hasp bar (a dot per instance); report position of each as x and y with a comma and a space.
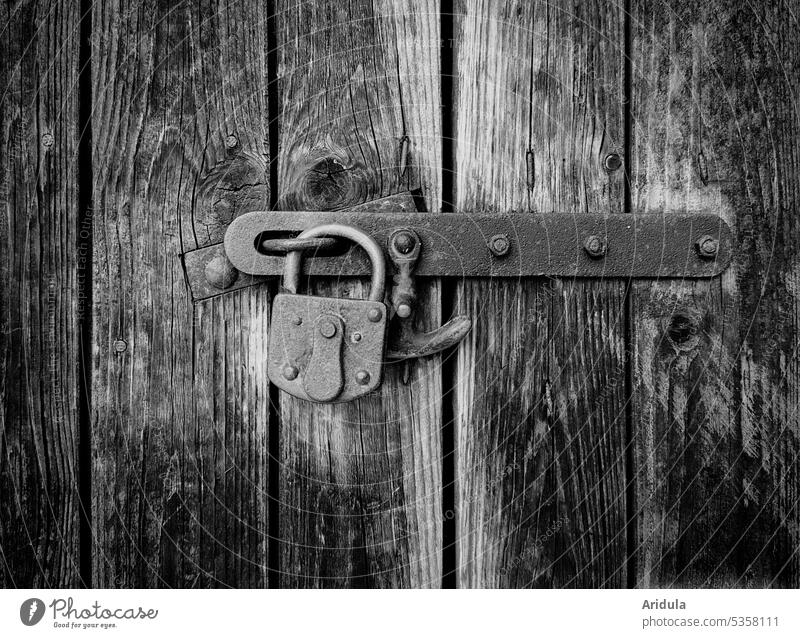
481, 245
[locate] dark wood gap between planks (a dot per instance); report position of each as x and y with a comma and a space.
273, 459
84, 285
449, 531
630, 474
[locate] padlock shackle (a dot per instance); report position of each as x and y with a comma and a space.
291, 270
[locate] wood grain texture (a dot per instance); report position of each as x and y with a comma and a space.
180, 414
39, 507
540, 418
715, 126
360, 483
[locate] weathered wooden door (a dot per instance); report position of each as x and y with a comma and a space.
586, 433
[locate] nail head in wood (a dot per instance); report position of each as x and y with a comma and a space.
612, 162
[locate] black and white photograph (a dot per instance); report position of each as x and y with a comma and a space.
492, 296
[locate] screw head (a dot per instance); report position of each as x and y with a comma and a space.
355, 337
120, 345
612, 162
220, 272
47, 140
707, 246
403, 310
327, 328
290, 372
374, 315
404, 242
500, 245
231, 141
362, 377
595, 246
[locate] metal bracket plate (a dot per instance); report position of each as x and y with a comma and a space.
466, 245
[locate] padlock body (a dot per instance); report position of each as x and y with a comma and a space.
326, 349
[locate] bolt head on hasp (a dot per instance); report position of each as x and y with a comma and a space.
595, 246
500, 245
220, 272
708, 246
404, 241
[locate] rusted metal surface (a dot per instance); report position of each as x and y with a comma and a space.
324, 349
284, 245
293, 261
195, 262
405, 341
403, 248
457, 245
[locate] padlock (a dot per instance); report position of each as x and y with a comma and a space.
328, 349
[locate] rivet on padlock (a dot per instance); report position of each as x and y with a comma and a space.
328, 349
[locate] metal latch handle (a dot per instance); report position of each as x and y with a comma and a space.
405, 342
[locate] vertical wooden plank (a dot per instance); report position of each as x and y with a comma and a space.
715, 127
180, 415
39, 508
360, 482
540, 418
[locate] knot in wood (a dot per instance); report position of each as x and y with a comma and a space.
327, 184
682, 329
